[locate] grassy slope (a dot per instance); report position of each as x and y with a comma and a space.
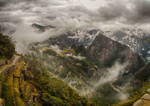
54, 91
33, 86
19, 88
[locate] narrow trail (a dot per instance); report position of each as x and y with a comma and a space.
6, 67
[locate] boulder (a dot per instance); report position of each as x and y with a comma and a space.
146, 97
138, 103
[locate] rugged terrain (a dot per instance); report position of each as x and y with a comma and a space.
103, 66
63, 70
135, 38
24, 83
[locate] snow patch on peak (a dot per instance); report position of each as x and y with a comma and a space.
135, 38
85, 37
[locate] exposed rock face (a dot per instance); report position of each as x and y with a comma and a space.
86, 75
42, 28
24, 82
66, 40
62, 41
136, 39
107, 51
144, 101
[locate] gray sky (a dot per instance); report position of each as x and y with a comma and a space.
78, 12
121, 11
73, 14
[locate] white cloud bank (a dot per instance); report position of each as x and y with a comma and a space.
72, 14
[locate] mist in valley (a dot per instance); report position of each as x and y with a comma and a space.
73, 16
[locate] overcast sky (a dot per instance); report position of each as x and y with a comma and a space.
99, 11
72, 14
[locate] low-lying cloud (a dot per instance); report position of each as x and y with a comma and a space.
129, 11
74, 14
111, 75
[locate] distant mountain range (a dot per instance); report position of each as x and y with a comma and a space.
136, 39
89, 62
102, 66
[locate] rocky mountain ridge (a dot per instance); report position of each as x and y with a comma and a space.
90, 63
136, 39
89, 70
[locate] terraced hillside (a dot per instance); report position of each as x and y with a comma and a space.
24, 83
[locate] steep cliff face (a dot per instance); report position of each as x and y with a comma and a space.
135, 38
56, 75
68, 39
106, 52
104, 66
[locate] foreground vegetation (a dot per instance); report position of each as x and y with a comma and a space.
7, 48
28, 83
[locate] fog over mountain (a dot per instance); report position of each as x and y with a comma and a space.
74, 51
107, 15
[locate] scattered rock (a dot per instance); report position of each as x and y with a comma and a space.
144, 101
138, 103
146, 97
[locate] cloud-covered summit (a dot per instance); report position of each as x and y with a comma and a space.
73, 14
99, 11
127, 11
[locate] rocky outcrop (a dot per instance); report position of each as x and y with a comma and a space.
86, 75
107, 51
144, 101
42, 28
68, 39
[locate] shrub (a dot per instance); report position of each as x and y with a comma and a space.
7, 48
